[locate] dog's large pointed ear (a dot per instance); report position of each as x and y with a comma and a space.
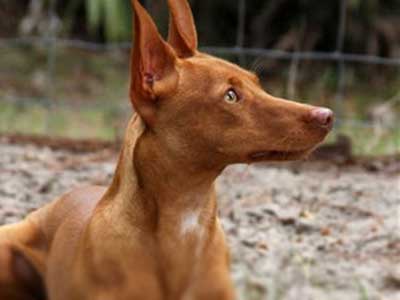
152, 64
182, 30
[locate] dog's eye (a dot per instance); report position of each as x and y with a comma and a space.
231, 96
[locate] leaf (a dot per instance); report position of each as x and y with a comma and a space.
94, 13
114, 16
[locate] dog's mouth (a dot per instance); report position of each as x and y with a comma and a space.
275, 155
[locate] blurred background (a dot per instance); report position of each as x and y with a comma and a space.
327, 228
64, 64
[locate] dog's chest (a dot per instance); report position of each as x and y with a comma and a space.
190, 224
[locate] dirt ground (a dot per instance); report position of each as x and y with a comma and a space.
299, 231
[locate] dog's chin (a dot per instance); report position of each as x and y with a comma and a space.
274, 155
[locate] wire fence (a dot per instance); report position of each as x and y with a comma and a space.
51, 42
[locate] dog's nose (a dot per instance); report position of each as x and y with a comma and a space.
322, 117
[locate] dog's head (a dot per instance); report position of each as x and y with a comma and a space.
209, 109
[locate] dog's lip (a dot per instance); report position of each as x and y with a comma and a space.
277, 154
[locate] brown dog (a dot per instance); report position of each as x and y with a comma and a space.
154, 233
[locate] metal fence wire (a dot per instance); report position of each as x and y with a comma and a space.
51, 42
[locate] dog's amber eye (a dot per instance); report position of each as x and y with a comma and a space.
231, 96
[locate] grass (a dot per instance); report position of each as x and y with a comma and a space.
372, 141
363, 291
87, 122
90, 95
106, 121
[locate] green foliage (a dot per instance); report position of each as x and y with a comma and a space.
61, 121
372, 26
113, 16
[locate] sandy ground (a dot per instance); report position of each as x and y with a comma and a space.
312, 231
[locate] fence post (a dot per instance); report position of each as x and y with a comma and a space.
339, 106
50, 42
295, 63
241, 30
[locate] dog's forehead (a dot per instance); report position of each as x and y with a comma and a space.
222, 67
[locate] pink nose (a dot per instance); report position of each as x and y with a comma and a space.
322, 117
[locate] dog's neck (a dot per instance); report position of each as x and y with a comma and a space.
157, 190
168, 175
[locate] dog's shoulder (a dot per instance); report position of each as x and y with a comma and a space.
74, 207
